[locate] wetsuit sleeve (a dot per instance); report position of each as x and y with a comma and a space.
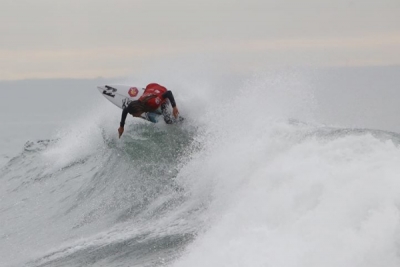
123, 117
171, 98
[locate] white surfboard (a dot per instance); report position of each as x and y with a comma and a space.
121, 95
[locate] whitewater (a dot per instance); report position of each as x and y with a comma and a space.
267, 170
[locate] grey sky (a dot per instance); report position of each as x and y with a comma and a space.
90, 38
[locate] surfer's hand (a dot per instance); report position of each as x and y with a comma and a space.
120, 131
175, 112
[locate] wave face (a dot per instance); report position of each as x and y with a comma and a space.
243, 182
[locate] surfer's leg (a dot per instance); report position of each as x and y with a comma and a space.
150, 116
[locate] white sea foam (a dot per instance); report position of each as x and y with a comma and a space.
283, 193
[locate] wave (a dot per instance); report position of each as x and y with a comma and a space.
237, 184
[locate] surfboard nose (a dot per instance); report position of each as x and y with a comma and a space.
101, 88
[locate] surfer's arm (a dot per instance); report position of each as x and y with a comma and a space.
122, 123
123, 117
171, 98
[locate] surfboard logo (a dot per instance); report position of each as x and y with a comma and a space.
133, 91
109, 91
125, 102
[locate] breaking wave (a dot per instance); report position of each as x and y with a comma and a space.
243, 182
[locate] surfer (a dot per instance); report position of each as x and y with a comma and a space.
154, 96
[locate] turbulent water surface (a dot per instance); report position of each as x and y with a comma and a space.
251, 178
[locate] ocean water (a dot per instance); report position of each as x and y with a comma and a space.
279, 168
